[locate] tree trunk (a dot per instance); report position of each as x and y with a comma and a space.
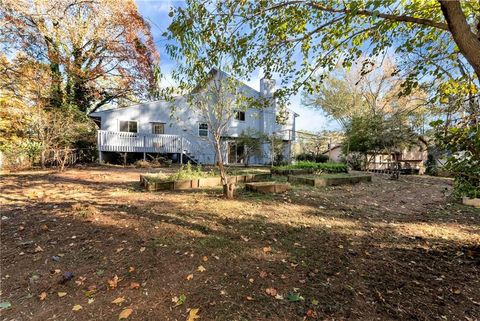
229, 191
466, 40
228, 188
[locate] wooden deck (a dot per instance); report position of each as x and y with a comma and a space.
125, 142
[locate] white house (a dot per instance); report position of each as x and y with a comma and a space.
179, 133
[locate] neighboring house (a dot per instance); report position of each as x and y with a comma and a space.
411, 159
155, 128
334, 154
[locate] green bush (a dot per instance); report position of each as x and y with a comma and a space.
320, 167
317, 158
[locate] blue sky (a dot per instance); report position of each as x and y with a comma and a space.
156, 13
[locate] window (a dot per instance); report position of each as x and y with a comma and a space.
240, 115
203, 130
128, 126
158, 128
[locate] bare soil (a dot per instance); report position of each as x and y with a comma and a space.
386, 250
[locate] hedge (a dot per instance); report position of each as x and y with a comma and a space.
321, 167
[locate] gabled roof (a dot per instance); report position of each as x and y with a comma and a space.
213, 72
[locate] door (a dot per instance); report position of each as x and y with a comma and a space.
236, 153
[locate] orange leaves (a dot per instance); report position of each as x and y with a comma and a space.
125, 314
271, 291
113, 283
134, 285
118, 300
42, 296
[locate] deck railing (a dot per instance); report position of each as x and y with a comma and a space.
109, 141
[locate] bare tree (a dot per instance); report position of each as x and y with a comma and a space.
216, 103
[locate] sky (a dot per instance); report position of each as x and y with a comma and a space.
156, 13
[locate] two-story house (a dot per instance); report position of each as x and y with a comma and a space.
175, 130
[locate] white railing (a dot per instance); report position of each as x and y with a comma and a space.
125, 142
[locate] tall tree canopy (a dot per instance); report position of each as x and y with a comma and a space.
301, 38
98, 52
345, 94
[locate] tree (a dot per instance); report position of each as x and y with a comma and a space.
348, 94
217, 101
253, 142
300, 39
97, 52
370, 135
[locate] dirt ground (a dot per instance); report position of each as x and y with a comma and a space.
386, 250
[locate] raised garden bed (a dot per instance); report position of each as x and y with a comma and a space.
328, 180
267, 187
302, 171
475, 202
198, 182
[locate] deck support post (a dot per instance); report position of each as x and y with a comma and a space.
100, 157
144, 156
181, 150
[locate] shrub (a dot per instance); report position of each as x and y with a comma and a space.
317, 158
319, 167
188, 172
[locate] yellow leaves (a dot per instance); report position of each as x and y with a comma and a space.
205, 258
61, 294
118, 300
125, 314
42, 296
189, 277
267, 249
77, 307
193, 315
113, 283
201, 269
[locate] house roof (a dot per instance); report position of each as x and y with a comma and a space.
212, 71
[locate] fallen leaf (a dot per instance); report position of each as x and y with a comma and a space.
142, 249
263, 274
118, 300
134, 285
62, 294
190, 277
38, 249
77, 307
119, 249
90, 301
131, 269
125, 314
113, 283
271, 291
201, 269
179, 300
42, 296
205, 258
193, 315
249, 298
267, 249
294, 297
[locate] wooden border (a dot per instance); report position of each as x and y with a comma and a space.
198, 183
330, 181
